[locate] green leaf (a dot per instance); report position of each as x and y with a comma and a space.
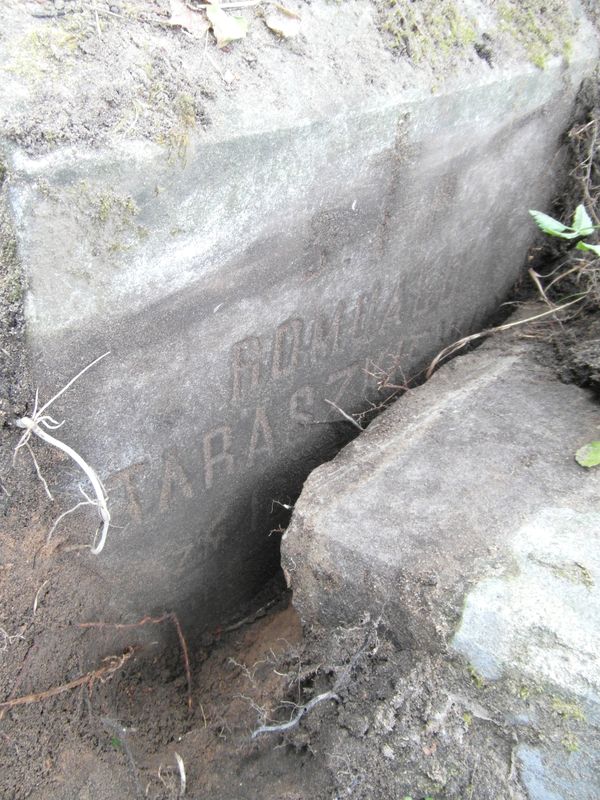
552, 226
226, 28
593, 248
588, 455
582, 222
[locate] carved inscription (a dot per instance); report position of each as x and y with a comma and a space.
286, 348
217, 451
174, 480
245, 367
261, 440
271, 404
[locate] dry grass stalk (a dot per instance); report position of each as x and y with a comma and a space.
455, 347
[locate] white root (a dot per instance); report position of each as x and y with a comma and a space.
33, 425
66, 513
182, 778
286, 726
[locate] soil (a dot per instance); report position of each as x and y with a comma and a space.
115, 736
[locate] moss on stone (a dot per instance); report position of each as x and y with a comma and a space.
567, 710
12, 284
476, 677
570, 743
431, 33
542, 28
110, 205
440, 34
45, 52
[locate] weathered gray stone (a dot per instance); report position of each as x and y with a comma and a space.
469, 478
461, 519
243, 274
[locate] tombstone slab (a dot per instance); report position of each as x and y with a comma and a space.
317, 247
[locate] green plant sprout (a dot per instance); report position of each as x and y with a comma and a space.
582, 226
589, 455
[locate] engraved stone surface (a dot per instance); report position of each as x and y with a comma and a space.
286, 255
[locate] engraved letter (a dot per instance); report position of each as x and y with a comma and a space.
174, 478
125, 478
325, 334
286, 347
366, 311
221, 456
261, 440
245, 367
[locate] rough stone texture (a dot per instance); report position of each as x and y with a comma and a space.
451, 484
461, 519
243, 272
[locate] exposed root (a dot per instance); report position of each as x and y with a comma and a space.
300, 712
167, 616
182, 778
112, 665
8, 638
35, 425
371, 638
347, 417
115, 727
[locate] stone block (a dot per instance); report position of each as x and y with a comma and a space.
468, 481
281, 257
461, 520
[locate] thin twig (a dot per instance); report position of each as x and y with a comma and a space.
346, 416
98, 28
168, 615
102, 673
538, 285
37, 596
458, 345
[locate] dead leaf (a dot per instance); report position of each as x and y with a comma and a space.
226, 28
284, 23
182, 16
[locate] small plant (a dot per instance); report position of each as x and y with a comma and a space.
589, 455
582, 226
